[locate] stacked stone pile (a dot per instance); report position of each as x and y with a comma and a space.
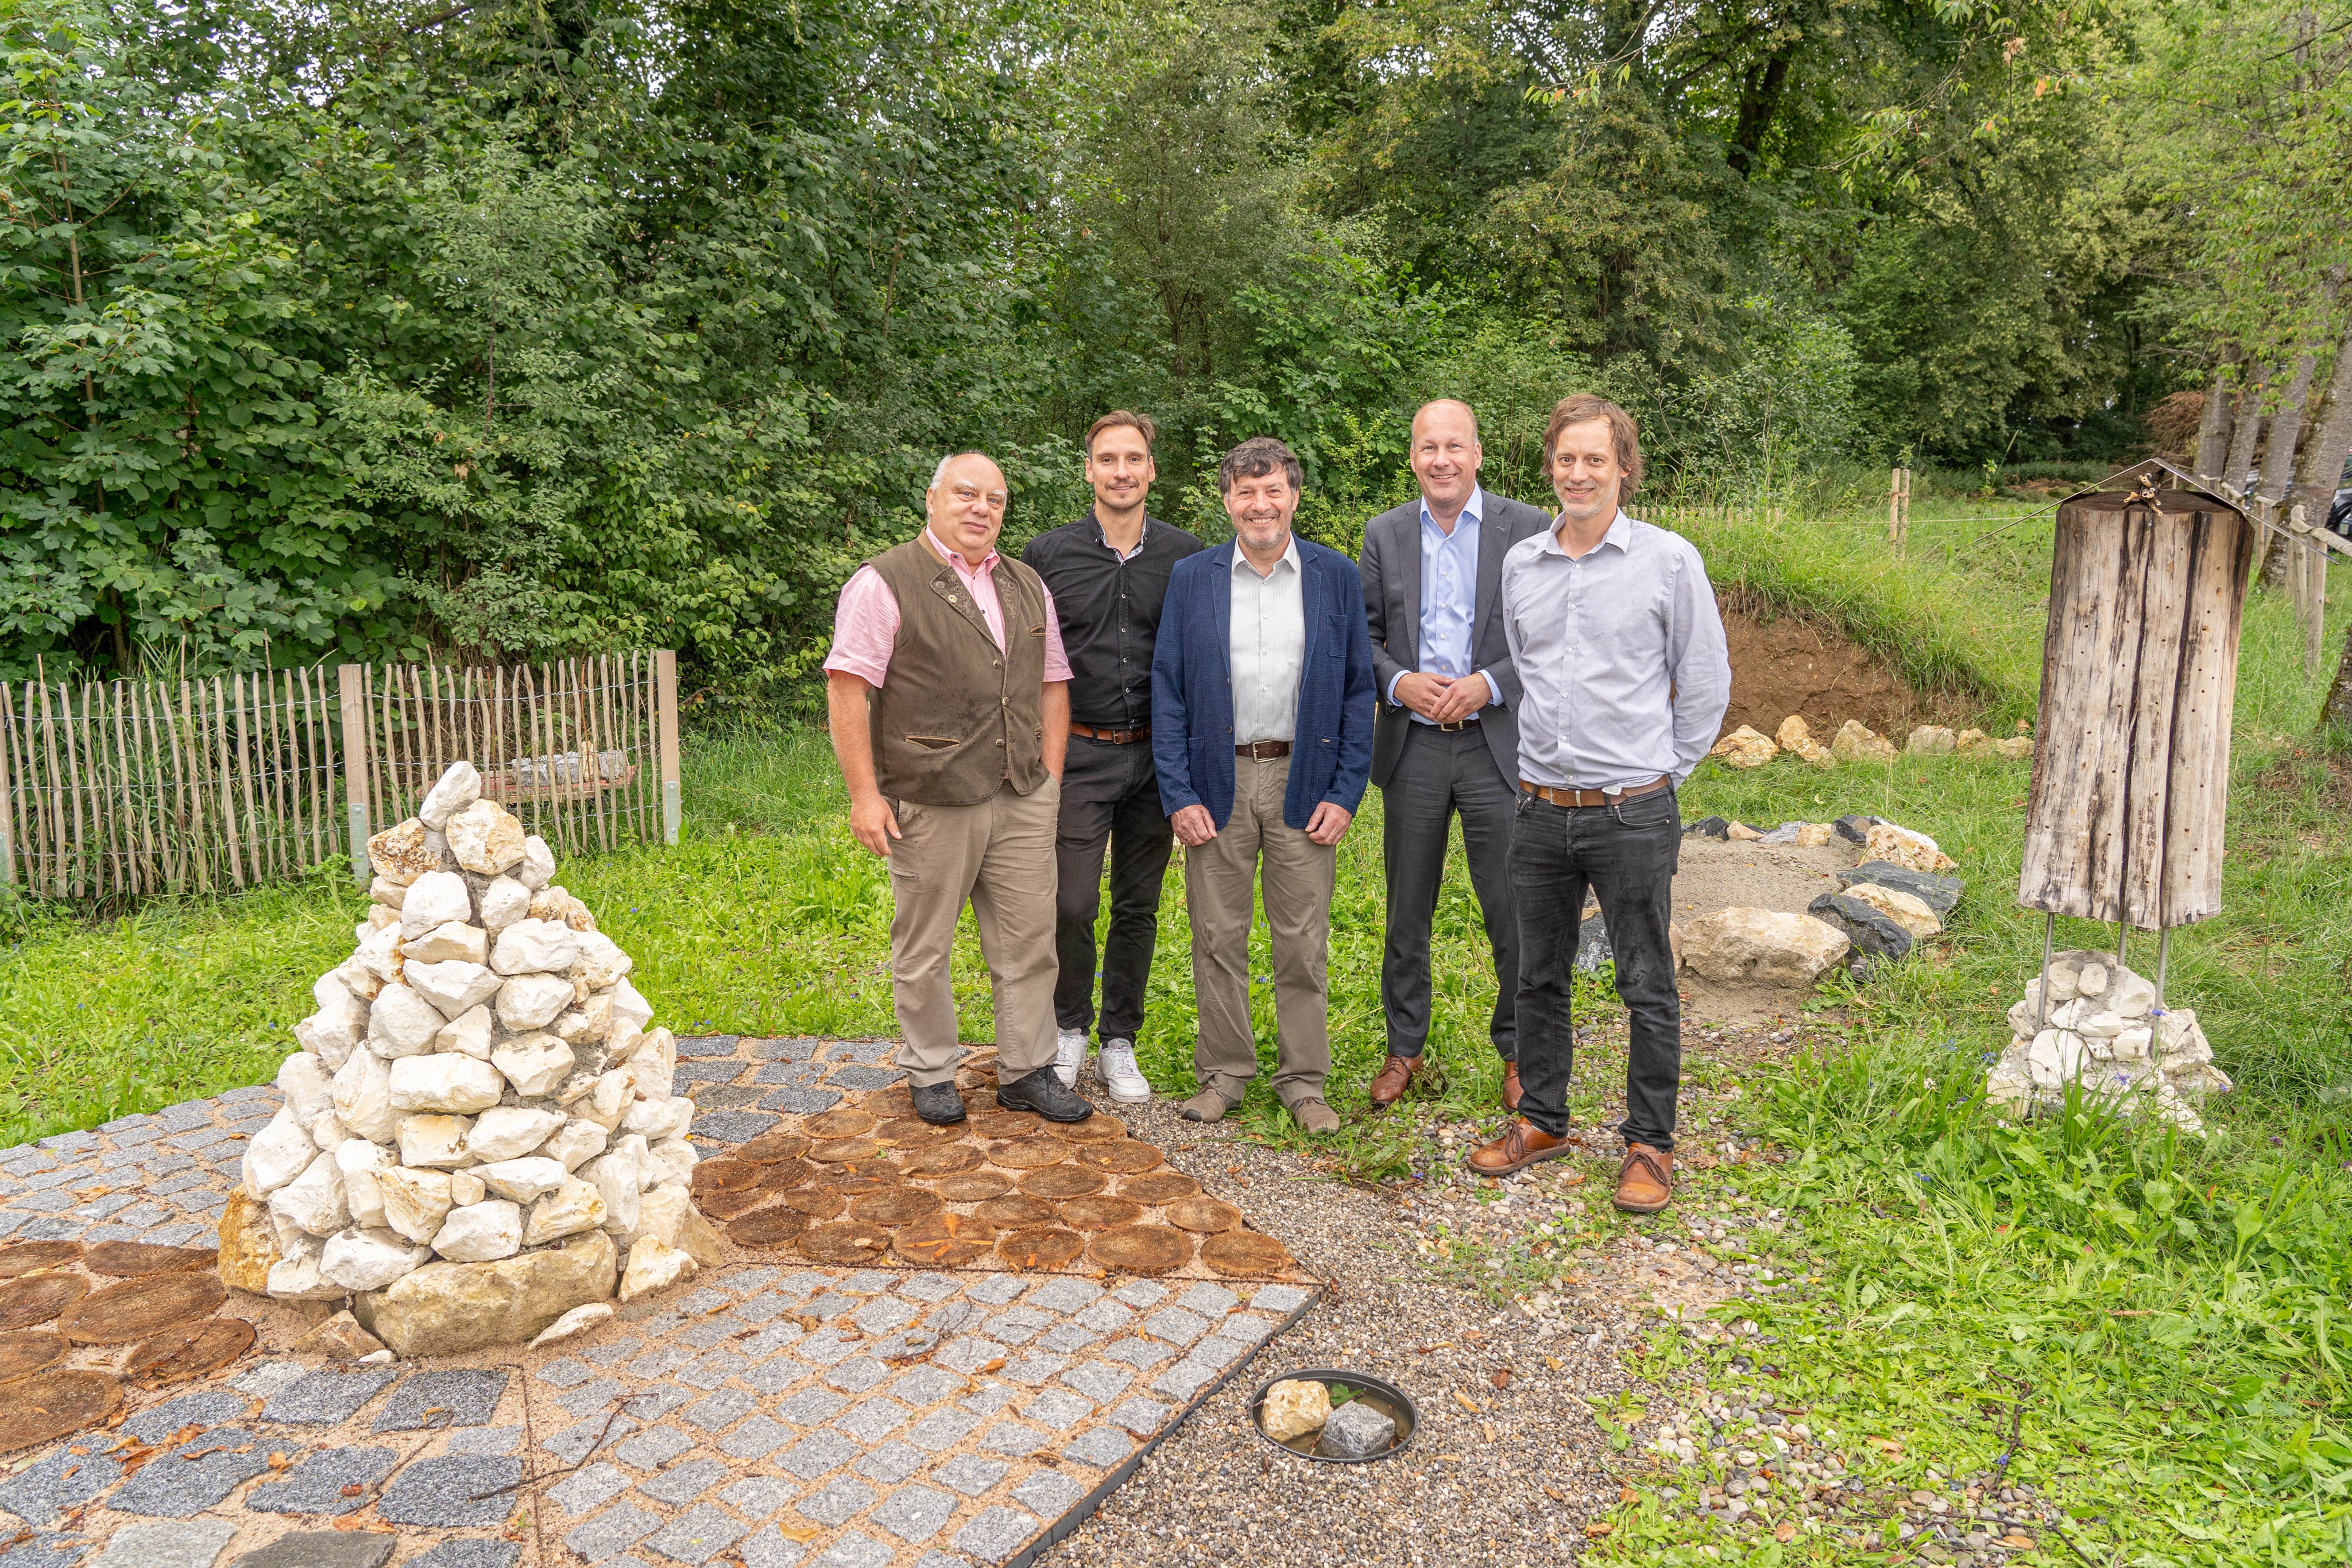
1896, 899
480, 1086
2104, 1030
1855, 741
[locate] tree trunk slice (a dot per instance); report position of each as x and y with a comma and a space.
23, 1354
841, 1151
124, 1259
1141, 1249
1028, 1153
1013, 1213
978, 1102
189, 1351
770, 1147
914, 1132
137, 1309
1245, 1253
768, 1228
50, 1405
724, 1176
849, 1244
727, 1205
1202, 1216
36, 1299
1041, 1246
863, 1184
1057, 1182
1099, 1128
26, 1256
944, 1240
894, 1101
1125, 1156
1158, 1188
977, 1187
1010, 1125
783, 1175
899, 1205
848, 1122
1100, 1213
952, 1160
817, 1202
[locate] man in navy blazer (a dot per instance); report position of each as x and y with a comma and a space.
1262, 708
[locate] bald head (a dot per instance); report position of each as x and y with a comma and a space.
1446, 457
965, 503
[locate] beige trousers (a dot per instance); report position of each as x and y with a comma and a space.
1219, 881
999, 856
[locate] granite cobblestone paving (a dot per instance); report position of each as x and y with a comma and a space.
773, 1412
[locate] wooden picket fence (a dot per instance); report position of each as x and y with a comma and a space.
113, 791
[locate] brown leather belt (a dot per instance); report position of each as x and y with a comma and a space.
1591, 797
1458, 724
1116, 737
1264, 751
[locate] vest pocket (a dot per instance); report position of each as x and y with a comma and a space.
933, 742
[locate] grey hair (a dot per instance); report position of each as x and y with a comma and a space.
941, 472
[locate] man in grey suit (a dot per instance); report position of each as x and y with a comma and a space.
1447, 739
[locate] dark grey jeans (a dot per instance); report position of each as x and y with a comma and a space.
1110, 800
1627, 856
1439, 773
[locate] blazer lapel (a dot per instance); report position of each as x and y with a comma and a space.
1220, 609
1494, 544
1408, 556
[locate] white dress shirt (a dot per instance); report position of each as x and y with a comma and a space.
1449, 600
1624, 671
1268, 645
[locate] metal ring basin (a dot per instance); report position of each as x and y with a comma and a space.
1408, 1414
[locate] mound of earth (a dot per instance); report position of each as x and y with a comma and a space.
1784, 664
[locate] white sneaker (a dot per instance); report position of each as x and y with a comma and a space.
1116, 1062
1069, 1055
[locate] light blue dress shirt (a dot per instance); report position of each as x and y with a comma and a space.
1449, 597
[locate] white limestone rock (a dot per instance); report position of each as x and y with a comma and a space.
572, 1207
529, 1003
415, 1202
621, 1041
445, 1081
361, 1163
658, 1119
450, 940
357, 977
579, 1319
533, 947
457, 787
313, 1201
586, 1024
433, 1141
627, 1004
533, 1063
379, 955
600, 961
307, 1084
279, 1154
481, 1232
465, 1187
468, 1034
653, 1066
1762, 946
633, 1148
524, 1180
579, 1141
536, 867
510, 1132
434, 899
615, 1177
486, 838
654, 1266
362, 1096
1904, 909
671, 1160
455, 988
369, 1259
327, 1131
386, 894
295, 1276
403, 1023
503, 902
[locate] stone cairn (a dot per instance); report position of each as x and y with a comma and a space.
2104, 1030
480, 1118
1857, 742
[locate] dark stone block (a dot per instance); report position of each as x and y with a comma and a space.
47, 1549
790, 1073
723, 1070
316, 1485
1855, 829
453, 1490
731, 1126
721, 1097
324, 1398
866, 1077
460, 1396
801, 1101
209, 1409
1876, 938
1707, 828
795, 1048
474, 1553
42, 1491
1940, 894
197, 1475
322, 1548
706, 1045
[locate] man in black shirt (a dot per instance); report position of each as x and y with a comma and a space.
1108, 572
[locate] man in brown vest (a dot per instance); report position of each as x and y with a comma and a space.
950, 699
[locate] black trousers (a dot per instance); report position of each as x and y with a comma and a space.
1439, 773
1110, 798
1626, 856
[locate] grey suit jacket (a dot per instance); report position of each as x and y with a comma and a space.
1392, 572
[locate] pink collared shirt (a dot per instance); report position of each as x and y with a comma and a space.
866, 624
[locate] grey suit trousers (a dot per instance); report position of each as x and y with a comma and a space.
1438, 774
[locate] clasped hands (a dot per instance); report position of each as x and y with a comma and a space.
1442, 699
1195, 827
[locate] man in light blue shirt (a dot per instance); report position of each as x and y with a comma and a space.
1447, 741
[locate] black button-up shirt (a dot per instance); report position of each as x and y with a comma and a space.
1109, 611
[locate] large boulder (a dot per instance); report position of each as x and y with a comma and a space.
445, 1308
1762, 946
1745, 748
1857, 742
1941, 894
1917, 852
1904, 909
1876, 938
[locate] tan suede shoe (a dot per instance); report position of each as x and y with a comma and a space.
1208, 1106
1315, 1116
1645, 1183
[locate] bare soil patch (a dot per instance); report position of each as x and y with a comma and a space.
1784, 663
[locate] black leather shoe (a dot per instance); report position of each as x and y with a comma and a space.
1043, 1092
938, 1104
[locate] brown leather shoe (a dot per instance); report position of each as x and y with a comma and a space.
1645, 1184
1521, 1145
1395, 1074
1511, 1086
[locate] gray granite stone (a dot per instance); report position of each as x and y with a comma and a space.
893, 1462
1176, 1325
989, 1398
1209, 1300
708, 1331
969, 1354
475, 1552
696, 1535
176, 1483
1033, 1367
1142, 1416
839, 1502
42, 1490
711, 1369
856, 1549
878, 1317
858, 1374
721, 1072
586, 1490
941, 1430
613, 1531
776, 1374
1064, 1294
915, 1514
755, 1439
1185, 1379
453, 1397
971, 1476
1100, 1381
579, 1439
1018, 1326
316, 1485
194, 1543
452, 1491
263, 1379
800, 1100
1143, 1355
1284, 1299
720, 1409
652, 1448
828, 1347
707, 1044
1011, 1437
653, 1404
565, 1371
1103, 1446
731, 1126
927, 1287
760, 1496
922, 1386
49, 1549
685, 1483
786, 1048
1048, 1492
996, 1534
874, 1420
592, 1395
484, 1439
813, 1455
995, 1289
660, 1361
1064, 1338
769, 1548
1058, 1408
322, 1548
1106, 1317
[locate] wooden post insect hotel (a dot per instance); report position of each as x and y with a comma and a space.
2139, 667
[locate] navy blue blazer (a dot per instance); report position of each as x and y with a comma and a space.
1192, 689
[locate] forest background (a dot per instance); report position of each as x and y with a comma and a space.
515, 329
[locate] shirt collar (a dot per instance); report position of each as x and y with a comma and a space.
1475, 508
987, 566
1103, 539
1621, 533
1289, 558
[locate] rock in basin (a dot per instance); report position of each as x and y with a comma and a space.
1294, 1407
445, 1307
1356, 1431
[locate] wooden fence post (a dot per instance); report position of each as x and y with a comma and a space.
7, 793
1898, 509
353, 681
666, 701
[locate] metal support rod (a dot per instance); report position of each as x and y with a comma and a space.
2123, 935
2163, 953
2041, 995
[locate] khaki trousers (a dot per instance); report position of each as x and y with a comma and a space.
999, 856
1220, 881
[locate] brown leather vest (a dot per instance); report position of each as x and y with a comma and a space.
955, 717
